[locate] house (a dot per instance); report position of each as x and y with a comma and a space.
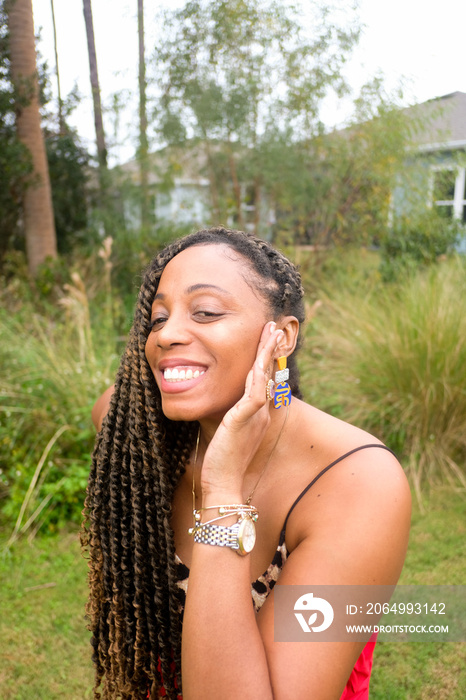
185, 181
184, 187
439, 145
179, 190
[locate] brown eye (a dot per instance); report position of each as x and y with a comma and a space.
205, 316
157, 322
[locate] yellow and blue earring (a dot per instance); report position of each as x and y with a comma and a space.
282, 396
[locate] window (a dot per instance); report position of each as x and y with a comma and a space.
448, 192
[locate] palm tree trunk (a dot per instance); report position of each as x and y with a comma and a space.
39, 222
61, 121
143, 144
99, 125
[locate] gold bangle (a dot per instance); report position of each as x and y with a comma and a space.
230, 507
242, 510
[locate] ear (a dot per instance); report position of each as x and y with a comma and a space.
290, 327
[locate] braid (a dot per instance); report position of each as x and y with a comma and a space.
139, 456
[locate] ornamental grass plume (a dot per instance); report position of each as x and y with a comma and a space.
393, 361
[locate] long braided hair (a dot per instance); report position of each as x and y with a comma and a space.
134, 608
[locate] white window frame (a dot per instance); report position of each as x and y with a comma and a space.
459, 201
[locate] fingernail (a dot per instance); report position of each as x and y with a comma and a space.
273, 326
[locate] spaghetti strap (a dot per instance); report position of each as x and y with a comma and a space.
321, 473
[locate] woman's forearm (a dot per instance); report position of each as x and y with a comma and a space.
222, 649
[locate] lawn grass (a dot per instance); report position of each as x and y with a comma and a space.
45, 645
436, 556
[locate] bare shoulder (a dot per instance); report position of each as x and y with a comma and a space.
101, 406
359, 507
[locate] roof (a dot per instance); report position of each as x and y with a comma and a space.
440, 123
183, 166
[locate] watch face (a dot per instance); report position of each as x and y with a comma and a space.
246, 536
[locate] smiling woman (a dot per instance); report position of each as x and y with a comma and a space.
205, 417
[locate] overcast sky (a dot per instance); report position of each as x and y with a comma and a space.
417, 42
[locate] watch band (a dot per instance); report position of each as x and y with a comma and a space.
217, 535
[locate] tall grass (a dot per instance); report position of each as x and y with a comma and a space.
53, 368
393, 361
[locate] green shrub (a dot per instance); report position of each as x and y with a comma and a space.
417, 242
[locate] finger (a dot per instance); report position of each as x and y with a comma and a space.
266, 334
266, 356
257, 379
255, 396
248, 385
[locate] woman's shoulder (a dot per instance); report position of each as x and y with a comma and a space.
316, 440
101, 406
327, 440
349, 479
331, 433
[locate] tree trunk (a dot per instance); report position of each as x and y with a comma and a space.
212, 182
99, 125
236, 186
143, 144
61, 121
257, 206
39, 222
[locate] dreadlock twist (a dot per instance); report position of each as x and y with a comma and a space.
138, 459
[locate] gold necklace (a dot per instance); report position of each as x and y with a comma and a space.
248, 500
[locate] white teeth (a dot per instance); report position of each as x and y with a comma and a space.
179, 375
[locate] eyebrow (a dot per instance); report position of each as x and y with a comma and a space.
196, 287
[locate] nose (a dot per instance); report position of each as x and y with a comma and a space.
174, 331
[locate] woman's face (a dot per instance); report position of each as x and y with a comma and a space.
206, 325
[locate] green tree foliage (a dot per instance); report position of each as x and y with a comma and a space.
245, 80
335, 188
68, 173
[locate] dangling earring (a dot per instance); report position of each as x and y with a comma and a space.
282, 395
